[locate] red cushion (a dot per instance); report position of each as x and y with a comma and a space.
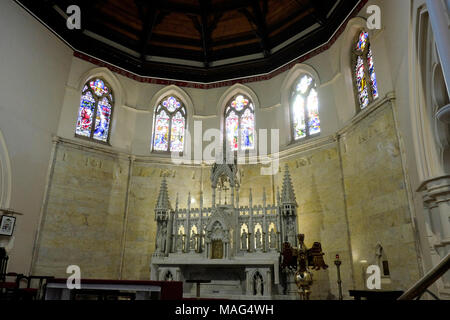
8, 285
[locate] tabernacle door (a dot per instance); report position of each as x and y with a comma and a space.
217, 249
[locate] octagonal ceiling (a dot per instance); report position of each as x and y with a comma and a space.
196, 40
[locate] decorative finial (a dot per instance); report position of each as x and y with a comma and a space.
163, 202
287, 192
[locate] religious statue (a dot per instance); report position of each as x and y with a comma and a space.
273, 239
300, 260
161, 239
258, 284
192, 241
258, 242
169, 276
180, 242
244, 240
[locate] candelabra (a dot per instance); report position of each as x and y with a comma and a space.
338, 263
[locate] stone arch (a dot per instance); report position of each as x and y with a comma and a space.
227, 95
119, 93
168, 276
176, 91
428, 142
347, 93
120, 97
258, 282
286, 90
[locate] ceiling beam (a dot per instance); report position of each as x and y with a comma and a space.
206, 34
258, 18
319, 10
195, 9
150, 17
206, 28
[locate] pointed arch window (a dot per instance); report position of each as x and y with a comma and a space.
95, 112
169, 125
305, 108
240, 123
365, 79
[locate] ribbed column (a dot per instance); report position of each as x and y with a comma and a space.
438, 12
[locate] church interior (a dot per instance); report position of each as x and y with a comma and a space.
231, 149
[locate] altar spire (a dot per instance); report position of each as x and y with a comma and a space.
287, 192
163, 202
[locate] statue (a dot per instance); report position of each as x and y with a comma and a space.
180, 242
273, 239
300, 260
169, 276
244, 240
258, 239
258, 284
192, 241
161, 239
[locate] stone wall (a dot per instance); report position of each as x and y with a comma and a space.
377, 201
350, 189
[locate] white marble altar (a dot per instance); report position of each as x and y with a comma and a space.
234, 247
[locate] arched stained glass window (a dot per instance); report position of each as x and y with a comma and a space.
169, 125
94, 114
305, 108
364, 71
240, 123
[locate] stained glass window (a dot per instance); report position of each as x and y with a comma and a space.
94, 114
169, 125
240, 124
364, 71
305, 108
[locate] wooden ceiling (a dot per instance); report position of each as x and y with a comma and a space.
196, 40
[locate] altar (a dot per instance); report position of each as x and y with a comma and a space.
235, 249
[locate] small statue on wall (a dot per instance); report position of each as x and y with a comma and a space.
180, 242
244, 240
273, 239
258, 242
193, 241
258, 284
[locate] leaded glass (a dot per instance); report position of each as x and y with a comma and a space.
373, 77
361, 83
304, 84
305, 109
177, 133
239, 103
171, 104
161, 136
232, 129
102, 120
99, 88
85, 115
240, 122
169, 125
313, 112
247, 130
362, 41
299, 117
94, 115
364, 71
